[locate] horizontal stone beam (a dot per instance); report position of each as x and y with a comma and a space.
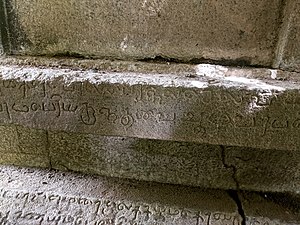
185, 163
212, 104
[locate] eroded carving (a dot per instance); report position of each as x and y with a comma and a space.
189, 114
44, 208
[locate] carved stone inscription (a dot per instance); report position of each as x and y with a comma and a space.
215, 115
42, 208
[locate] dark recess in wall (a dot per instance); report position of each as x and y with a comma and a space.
4, 27
12, 35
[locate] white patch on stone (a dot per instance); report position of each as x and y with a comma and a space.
213, 71
226, 78
153, 7
164, 80
124, 44
253, 83
199, 84
263, 98
273, 74
69, 76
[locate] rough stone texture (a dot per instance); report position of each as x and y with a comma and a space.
290, 43
140, 67
270, 205
160, 161
264, 170
2, 25
1, 46
178, 162
71, 107
215, 105
30, 196
184, 163
244, 32
23, 146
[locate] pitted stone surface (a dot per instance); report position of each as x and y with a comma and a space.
264, 170
22, 146
216, 105
244, 32
141, 159
30, 196
185, 163
291, 40
54, 117
261, 206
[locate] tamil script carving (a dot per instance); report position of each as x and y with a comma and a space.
47, 208
211, 115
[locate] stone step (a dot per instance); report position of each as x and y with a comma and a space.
262, 127
44, 197
203, 103
202, 165
264, 32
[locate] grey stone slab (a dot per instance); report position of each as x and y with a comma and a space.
241, 32
216, 105
185, 163
208, 166
141, 67
30, 196
141, 159
259, 207
264, 169
289, 45
22, 146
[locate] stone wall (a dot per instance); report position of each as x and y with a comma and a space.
261, 33
228, 118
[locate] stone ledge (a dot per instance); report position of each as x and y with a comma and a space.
31, 196
214, 104
185, 163
54, 115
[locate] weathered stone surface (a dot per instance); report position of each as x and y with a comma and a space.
262, 206
1, 46
71, 107
23, 146
208, 166
290, 43
244, 32
264, 170
44, 197
30, 196
150, 160
177, 162
215, 105
2, 26
140, 67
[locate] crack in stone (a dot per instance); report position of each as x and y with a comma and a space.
234, 194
